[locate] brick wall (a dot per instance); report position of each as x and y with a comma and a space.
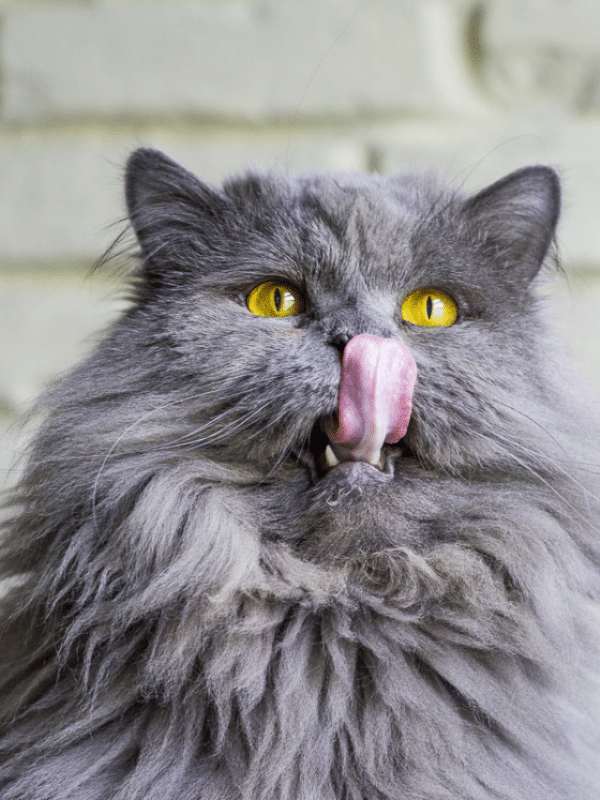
474, 88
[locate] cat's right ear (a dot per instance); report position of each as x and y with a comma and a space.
175, 216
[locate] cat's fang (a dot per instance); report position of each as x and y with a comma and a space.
330, 458
377, 461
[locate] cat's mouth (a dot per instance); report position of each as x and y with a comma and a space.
374, 406
317, 455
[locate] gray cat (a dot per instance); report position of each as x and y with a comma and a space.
318, 518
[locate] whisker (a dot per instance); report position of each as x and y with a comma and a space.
549, 435
529, 467
286, 450
543, 460
188, 441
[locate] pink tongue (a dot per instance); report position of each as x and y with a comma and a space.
375, 398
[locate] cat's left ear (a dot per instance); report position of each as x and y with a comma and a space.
515, 220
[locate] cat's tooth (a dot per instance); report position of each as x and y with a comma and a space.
330, 457
377, 461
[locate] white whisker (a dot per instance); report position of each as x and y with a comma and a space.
530, 467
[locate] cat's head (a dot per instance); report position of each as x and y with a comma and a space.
246, 299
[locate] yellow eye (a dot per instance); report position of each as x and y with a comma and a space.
430, 308
272, 299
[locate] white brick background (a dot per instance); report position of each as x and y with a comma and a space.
473, 88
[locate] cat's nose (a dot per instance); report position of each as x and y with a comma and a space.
340, 341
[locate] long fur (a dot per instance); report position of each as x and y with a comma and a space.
194, 614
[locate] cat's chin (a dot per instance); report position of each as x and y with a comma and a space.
358, 473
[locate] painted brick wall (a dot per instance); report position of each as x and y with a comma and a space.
473, 88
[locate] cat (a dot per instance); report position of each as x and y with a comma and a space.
317, 519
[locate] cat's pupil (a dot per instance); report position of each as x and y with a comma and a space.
429, 307
277, 299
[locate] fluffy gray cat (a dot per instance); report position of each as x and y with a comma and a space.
318, 519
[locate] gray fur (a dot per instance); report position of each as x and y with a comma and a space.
199, 617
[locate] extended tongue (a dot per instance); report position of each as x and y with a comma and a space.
374, 399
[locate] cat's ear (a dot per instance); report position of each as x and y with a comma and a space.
514, 220
175, 216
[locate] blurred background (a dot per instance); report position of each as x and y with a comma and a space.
471, 88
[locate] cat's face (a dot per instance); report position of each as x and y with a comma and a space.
251, 295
